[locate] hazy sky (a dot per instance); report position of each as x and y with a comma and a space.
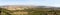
31, 2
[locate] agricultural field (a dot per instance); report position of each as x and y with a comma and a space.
30, 11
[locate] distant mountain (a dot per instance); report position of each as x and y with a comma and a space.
31, 6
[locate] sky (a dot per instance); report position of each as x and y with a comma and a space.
55, 3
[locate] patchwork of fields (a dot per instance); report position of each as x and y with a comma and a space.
29, 11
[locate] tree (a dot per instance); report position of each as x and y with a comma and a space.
5, 11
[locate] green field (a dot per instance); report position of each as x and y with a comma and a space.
34, 11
